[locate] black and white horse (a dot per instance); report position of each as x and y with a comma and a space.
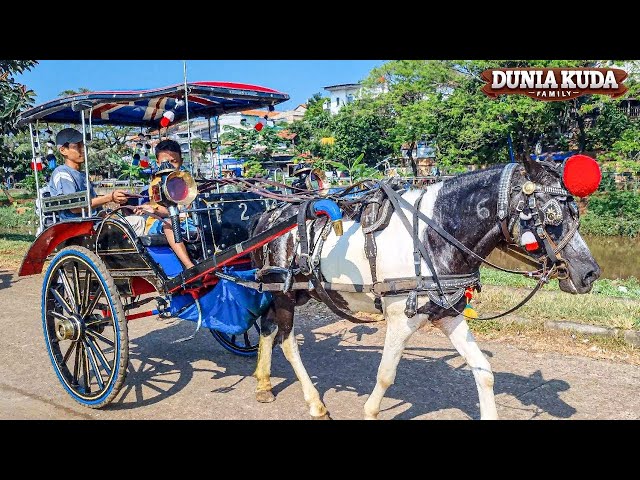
467, 207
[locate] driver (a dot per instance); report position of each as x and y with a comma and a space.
67, 178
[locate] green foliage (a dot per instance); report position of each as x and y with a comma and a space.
356, 169
14, 97
253, 168
29, 182
616, 204
616, 212
255, 147
627, 145
592, 224
130, 171
357, 131
10, 219
608, 182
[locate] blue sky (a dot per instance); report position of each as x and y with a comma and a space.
299, 78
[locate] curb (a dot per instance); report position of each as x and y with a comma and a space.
631, 337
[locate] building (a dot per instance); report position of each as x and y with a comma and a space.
345, 93
290, 116
340, 95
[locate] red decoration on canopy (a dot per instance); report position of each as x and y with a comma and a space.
167, 118
581, 175
38, 164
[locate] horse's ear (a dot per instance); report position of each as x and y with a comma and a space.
533, 168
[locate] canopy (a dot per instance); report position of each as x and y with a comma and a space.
145, 107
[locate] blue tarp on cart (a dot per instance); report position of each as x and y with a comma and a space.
229, 308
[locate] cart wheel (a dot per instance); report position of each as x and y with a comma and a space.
244, 344
85, 328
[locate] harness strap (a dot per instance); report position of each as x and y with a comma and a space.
394, 198
303, 262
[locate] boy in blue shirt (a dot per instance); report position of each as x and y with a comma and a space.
68, 178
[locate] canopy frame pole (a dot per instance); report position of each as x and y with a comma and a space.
86, 163
186, 106
213, 166
35, 174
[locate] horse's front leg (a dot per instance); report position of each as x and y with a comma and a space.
399, 330
457, 329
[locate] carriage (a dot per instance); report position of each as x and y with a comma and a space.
101, 275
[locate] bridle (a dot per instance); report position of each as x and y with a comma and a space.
531, 215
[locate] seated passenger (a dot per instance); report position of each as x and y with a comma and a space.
68, 178
167, 152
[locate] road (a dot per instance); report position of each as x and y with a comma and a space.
198, 379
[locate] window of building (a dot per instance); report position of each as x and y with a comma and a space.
350, 98
337, 101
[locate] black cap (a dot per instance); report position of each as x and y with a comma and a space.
68, 135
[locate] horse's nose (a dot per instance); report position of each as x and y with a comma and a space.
591, 277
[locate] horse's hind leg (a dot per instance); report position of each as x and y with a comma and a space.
268, 330
399, 330
457, 330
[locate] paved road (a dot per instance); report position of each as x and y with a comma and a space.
200, 380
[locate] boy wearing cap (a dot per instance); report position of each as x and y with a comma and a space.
68, 178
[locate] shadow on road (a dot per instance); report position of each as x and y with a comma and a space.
428, 379
6, 279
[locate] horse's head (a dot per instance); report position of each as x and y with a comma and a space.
544, 217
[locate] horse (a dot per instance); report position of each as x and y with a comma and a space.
482, 210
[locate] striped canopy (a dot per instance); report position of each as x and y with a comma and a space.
145, 107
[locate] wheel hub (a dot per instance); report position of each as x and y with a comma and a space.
68, 329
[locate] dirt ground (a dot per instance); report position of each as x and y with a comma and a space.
538, 375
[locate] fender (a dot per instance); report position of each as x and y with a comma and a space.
49, 239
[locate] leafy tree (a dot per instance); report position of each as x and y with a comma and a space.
14, 97
199, 149
359, 131
250, 144
315, 125
442, 102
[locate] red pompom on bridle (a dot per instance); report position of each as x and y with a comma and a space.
581, 175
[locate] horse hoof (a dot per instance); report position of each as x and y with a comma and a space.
265, 396
323, 417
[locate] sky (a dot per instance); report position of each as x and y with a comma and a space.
298, 78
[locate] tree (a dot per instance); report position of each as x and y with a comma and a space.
199, 149
359, 131
14, 98
442, 101
250, 144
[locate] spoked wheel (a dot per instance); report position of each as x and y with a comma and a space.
85, 328
244, 344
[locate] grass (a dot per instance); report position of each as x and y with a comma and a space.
591, 308
627, 288
13, 247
